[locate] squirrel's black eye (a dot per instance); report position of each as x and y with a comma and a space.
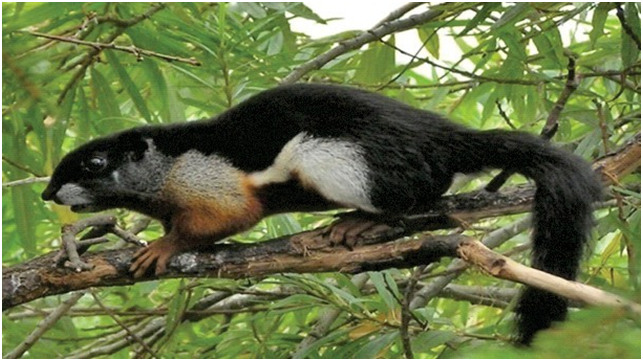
95, 164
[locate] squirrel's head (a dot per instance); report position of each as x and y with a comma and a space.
110, 172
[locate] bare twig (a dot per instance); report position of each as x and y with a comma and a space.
502, 267
471, 75
398, 13
21, 182
20, 166
626, 27
488, 296
124, 327
504, 115
554, 115
551, 126
44, 325
119, 340
70, 247
457, 266
138, 52
406, 313
85, 61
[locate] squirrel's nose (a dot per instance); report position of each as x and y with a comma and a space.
49, 194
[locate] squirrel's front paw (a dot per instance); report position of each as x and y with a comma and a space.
160, 251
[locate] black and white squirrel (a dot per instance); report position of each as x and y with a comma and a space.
310, 147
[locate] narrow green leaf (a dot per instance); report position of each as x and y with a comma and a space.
128, 85
437, 98
532, 103
313, 349
83, 124
282, 224
253, 9
552, 52
598, 22
194, 77
480, 16
490, 105
430, 339
105, 97
380, 284
431, 40
512, 15
275, 43
630, 52
511, 37
175, 310
303, 11
633, 17
376, 64
373, 347
159, 88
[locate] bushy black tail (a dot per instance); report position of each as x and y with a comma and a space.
566, 188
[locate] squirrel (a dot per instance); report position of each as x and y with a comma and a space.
306, 147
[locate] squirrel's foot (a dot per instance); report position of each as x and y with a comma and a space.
351, 231
159, 251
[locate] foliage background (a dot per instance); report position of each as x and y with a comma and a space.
57, 95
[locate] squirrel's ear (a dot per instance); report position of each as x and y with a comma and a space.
134, 143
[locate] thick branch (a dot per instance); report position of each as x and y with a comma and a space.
40, 277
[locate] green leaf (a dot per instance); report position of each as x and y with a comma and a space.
194, 76
83, 125
512, 15
160, 92
512, 39
303, 11
253, 9
550, 45
282, 224
629, 51
431, 40
376, 346
598, 22
382, 289
176, 308
128, 84
276, 43
107, 104
430, 339
480, 16
376, 64
633, 17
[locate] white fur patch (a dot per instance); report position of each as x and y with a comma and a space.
334, 168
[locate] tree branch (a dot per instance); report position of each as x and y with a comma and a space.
377, 32
39, 277
138, 52
505, 268
626, 27
551, 126
44, 325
